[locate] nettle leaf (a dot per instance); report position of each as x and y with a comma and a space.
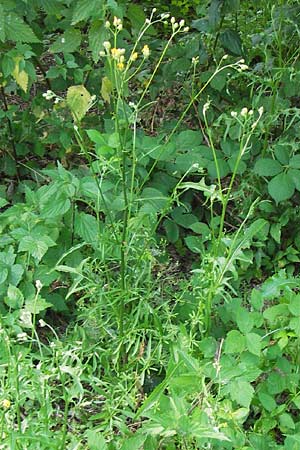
2, 24
281, 187
68, 42
87, 227
87, 8
14, 298
231, 42
242, 392
17, 30
235, 342
267, 167
253, 343
78, 100
97, 35
37, 247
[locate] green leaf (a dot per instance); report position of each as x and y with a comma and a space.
253, 343
36, 247
294, 305
17, 30
106, 89
231, 42
242, 392
282, 153
95, 440
78, 100
188, 140
267, 401
295, 162
281, 187
8, 65
14, 298
155, 198
87, 227
194, 243
172, 230
294, 324
3, 275
295, 175
244, 320
224, 168
2, 25
36, 305
68, 42
97, 35
273, 312
275, 232
267, 167
87, 8
286, 422
257, 300
235, 342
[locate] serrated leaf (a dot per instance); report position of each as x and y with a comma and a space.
106, 89
242, 392
78, 100
253, 343
68, 42
281, 187
87, 227
51, 7
97, 35
244, 320
17, 30
234, 342
95, 440
8, 65
36, 305
231, 42
85, 9
2, 24
20, 76
267, 167
267, 401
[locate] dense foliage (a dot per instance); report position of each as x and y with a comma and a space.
149, 247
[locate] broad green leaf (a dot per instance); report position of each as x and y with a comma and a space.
282, 153
36, 305
235, 342
172, 230
257, 300
58, 206
219, 81
14, 298
20, 76
87, 8
97, 35
17, 30
242, 392
78, 100
106, 89
155, 198
189, 139
281, 187
244, 320
286, 422
224, 168
194, 243
95, 440
87, 227
16, 273
2, 25
275, 232
136, 15
37, 247
294, 305
253, 343
295, 175
231, 42
267, 401
134, 443
68, 42
189, 162
52, 7
294, 324
267, 167
8, 65
3, 274
273, 312
295, 162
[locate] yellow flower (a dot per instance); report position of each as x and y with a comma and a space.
146, 51
120, 66
6, 403
134, 56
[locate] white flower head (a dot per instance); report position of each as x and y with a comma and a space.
244, 112
233, 114
38, 285
107, 24
181, 23
107, 45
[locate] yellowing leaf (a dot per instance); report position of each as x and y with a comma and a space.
106, 89
78, 100
21, 77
